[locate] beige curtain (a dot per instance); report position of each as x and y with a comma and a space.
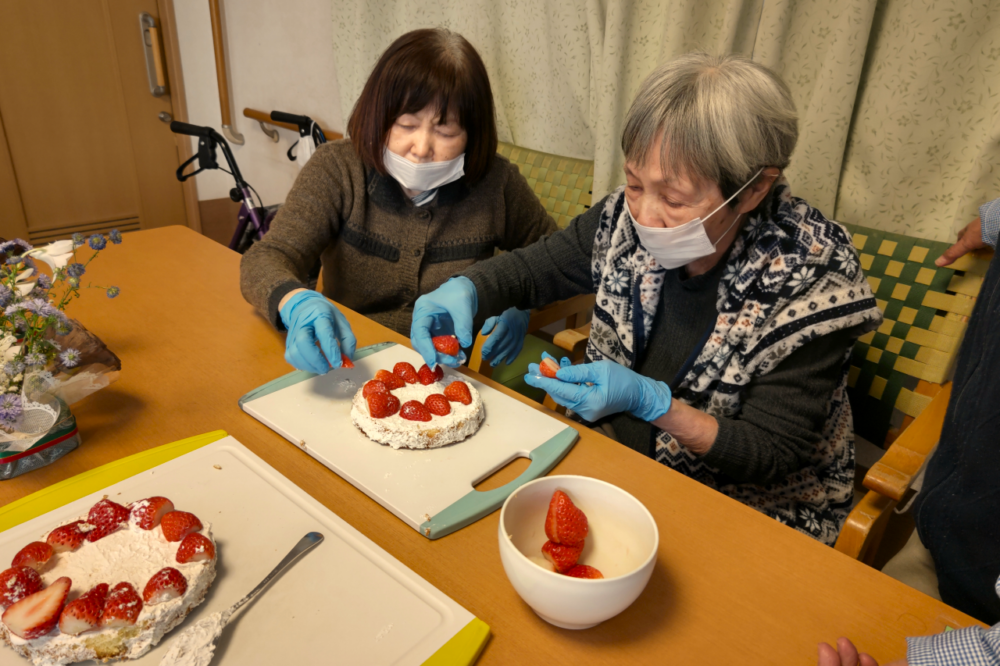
897, 99
924, 147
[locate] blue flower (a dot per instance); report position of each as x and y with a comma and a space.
5, 294
113, 291
62, 328
115, 236
44, 281
13, 368
75, 270
10, 407
97, 242
73, 282
78, 240
34, 358
17, 242
14, 261
70, 358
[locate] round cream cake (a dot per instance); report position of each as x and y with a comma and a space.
130, 554
400, 433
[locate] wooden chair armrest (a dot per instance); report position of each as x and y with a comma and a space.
476, 358
862, 531
573, 340
892, 475
575, 307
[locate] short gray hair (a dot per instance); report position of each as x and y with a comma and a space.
722, 118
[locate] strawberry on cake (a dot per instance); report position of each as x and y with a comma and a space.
108, 585
417, 409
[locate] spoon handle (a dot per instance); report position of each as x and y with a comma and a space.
305, 544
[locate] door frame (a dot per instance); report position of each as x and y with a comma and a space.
178, 104
9, 191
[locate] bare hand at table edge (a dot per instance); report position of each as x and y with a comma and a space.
845, 654
969, 239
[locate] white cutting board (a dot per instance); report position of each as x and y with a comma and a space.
431, 490
346, 601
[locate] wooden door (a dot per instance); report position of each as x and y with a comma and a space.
82, 145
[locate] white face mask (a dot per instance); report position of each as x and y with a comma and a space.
673, 247
423, 177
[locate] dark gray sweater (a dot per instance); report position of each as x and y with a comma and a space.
379, 251
783, 412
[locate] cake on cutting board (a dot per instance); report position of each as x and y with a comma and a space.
109, 585
417, 409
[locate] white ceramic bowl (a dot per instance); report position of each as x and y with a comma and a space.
622, 544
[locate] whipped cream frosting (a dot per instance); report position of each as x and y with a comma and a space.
195, 645
132, 555
397, 432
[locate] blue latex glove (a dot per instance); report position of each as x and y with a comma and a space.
310, 318
506, 336
614, 389
448, 310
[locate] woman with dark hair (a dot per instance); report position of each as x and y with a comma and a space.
417, 194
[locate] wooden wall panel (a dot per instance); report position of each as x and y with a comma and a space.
62, 106
12, 224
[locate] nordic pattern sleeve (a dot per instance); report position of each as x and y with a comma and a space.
782, 414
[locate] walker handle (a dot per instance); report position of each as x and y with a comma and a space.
177, 127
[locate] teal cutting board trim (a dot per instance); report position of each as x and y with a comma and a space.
297, 376
476, 504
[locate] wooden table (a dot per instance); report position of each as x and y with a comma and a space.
731, 586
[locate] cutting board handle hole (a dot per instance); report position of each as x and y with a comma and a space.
510, 471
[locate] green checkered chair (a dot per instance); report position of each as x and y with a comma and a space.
896, 370
898, 384
564, 186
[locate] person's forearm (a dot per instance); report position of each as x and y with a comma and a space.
550, 270
692, 428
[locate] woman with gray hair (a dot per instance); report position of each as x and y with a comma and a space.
726, 308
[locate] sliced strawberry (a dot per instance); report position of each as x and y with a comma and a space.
414, 410
565, 523
122, 608
84, 613
548, 367
67, 537
35, 555
437, 404
405, 371
106, 517
346, 362
195, 548
381, 405
373, 386
563, 558
178, 524
146, 514
391, 381
458, 391
426, 376
584, 571
166, 584
446, 344
16, 583
37, 614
